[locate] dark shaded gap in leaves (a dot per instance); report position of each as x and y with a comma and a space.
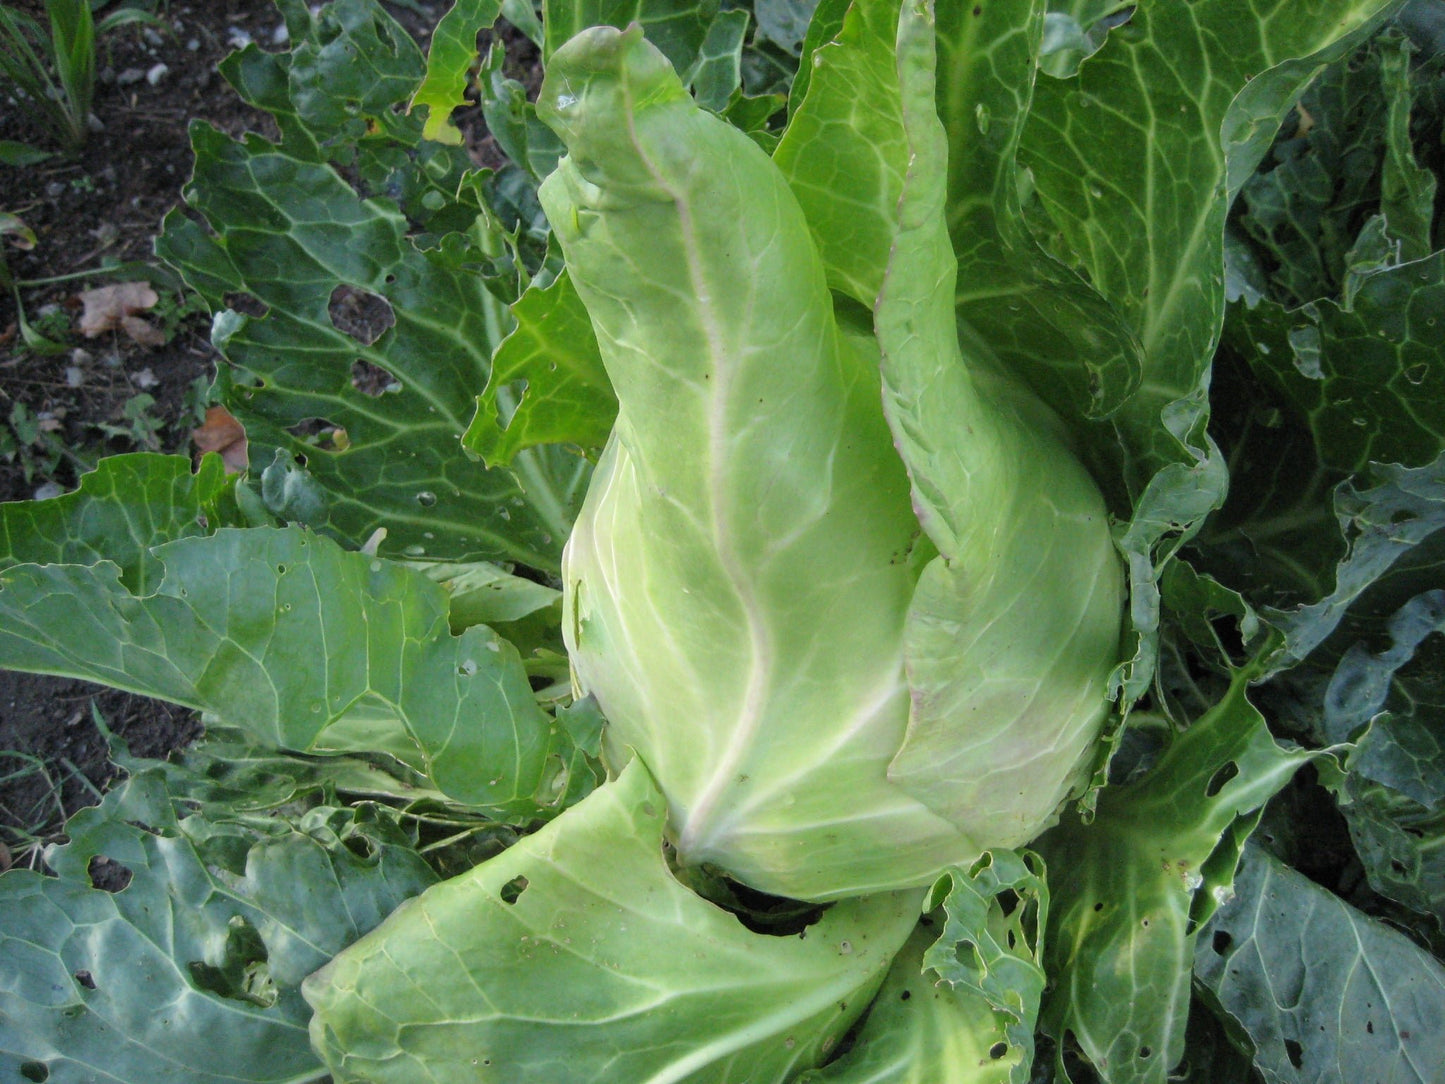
246, 304
373, 380
363, 315
513, 889
1221, 778
107, 874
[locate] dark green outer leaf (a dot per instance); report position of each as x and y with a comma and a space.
128, 504
290, 234
281, 633
1047, 326
350, 67
191, 974
677, 27
1325, 993
1134, 174
1400, 842
1136, 160
568, 397
1302, 209
1370, 376
1129, 889
1392, 788
1393, 520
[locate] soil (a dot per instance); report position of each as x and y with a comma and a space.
106, 205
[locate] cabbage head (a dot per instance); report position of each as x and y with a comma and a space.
852, 601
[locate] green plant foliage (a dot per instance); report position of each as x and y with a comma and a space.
397, 330
193, 970
1285, 955
567, 397
1135, 882
386, 670
1011, 447
127, 505
546, 916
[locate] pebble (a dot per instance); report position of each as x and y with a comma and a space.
157, 73
129, 76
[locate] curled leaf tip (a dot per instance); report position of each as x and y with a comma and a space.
604, 72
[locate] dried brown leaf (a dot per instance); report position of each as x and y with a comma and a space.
142, 331
224, 434
114, 307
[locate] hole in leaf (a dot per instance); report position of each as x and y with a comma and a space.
361, 846
966, 952
85, 979
1221, 942
244, 972
513, 889
905, 995
246, 304
320, 433
363, 315
106, 875
371, 379
1295, 1052
1226, 630
1218, 780
998, 1050
772, 916
35, 1070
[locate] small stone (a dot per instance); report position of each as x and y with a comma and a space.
74, 376
238, 37
281, 35
129, 76
157, 73
48, 490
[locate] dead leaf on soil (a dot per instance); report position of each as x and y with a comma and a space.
224, 434
114, 307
